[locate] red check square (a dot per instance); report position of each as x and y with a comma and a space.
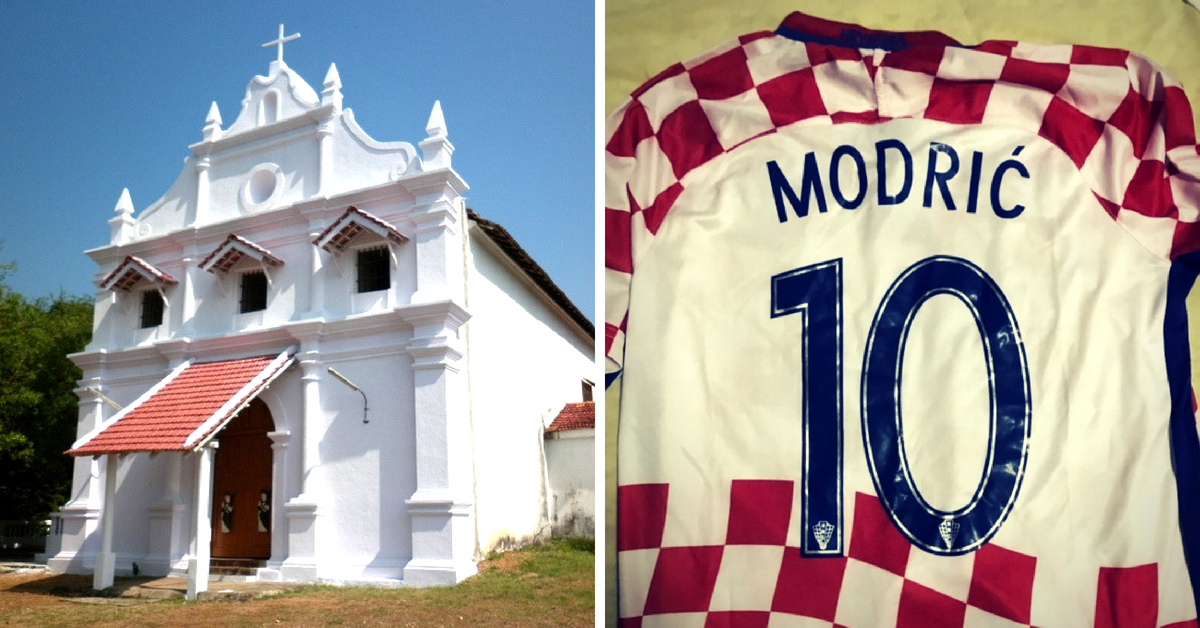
724, 76
1149, 192
1127, 597
792, 97
874, 539
809, 586
687, 138
759, 512
962, 102
683, 579
922, 607
641, 515
1002, 582
1071, 130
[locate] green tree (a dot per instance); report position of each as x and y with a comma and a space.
38, 406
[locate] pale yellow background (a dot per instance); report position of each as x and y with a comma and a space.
643, 37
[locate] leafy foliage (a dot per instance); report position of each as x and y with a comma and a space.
38, 408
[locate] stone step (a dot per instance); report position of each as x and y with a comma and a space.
235, 566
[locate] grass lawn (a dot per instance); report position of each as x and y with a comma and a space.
547, 585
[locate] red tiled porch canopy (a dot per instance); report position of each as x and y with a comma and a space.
186, 409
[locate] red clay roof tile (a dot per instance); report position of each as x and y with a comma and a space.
189, 407
536, 273
229, 254
575, 416
349, 225
130, 271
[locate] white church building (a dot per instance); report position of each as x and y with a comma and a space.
311, 358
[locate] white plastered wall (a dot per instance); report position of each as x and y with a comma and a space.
367, 469
571, 461
525, 360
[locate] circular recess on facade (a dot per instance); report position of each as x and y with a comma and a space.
262, 186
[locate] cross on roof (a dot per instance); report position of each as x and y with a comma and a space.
280, 41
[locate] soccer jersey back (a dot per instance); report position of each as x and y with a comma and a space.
901, 332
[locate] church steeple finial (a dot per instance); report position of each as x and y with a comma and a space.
435, 148
436, 127
278, 42
212, 123
122, 223
332, 94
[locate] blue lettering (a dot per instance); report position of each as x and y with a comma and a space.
835, 185
932, 174
998, 180
938, 172
881, 170
973, 195
781, 187
810, 184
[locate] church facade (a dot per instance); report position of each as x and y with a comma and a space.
311, 355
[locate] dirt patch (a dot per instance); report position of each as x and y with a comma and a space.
507, 562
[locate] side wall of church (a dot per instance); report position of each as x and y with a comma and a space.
525, 361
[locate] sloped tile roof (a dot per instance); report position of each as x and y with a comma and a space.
509, 245
350, 225
575, 416
186, 408
232, 250
130, 271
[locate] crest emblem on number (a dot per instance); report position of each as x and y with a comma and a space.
823, 530
949, 530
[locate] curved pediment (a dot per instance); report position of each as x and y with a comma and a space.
288, 144
280, 95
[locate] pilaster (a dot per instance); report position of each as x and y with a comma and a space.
302, 511
191, 260
281, 488
441, 509
325, 160
438, 239
316, 278
81, 514
202, 165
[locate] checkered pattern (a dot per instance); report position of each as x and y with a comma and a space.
756, 579
1125, 124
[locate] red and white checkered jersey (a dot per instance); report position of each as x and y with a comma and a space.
901, 335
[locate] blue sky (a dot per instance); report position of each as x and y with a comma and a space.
102, 96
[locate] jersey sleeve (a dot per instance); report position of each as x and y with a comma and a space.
619, 164
654, 139
1182, 164
1140, 156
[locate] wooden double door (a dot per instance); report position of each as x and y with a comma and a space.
242, 486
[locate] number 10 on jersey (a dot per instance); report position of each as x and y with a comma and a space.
815, 293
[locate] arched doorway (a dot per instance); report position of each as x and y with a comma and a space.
242, 486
